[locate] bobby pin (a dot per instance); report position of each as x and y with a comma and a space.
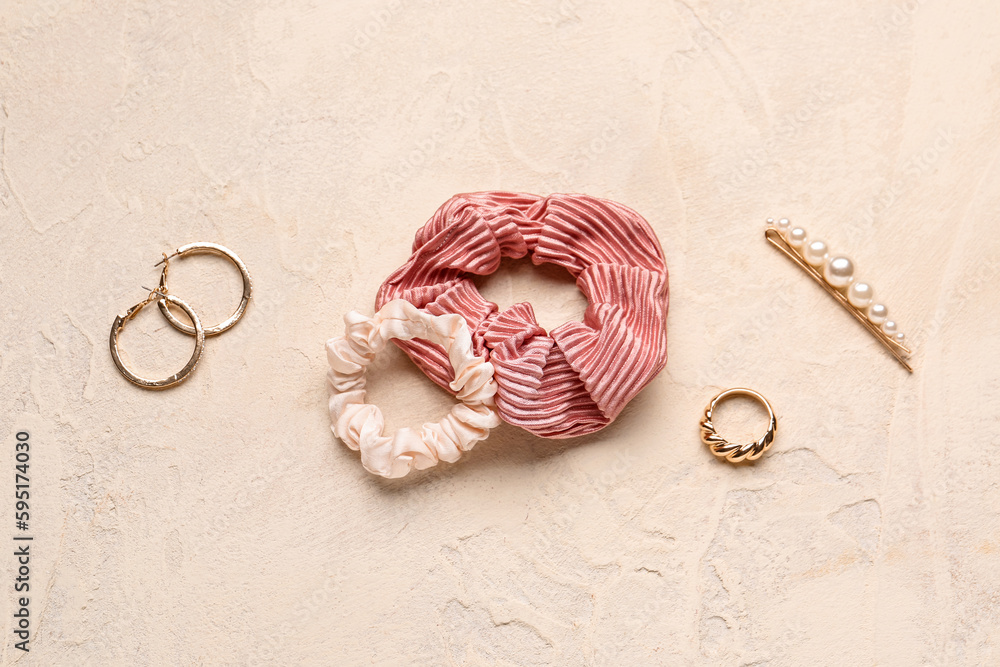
836, 274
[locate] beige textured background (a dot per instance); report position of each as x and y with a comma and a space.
221, 523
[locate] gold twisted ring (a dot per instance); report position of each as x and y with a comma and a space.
721, 447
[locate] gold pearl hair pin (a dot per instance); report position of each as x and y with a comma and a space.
835, 273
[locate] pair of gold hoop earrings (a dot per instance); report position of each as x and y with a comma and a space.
164, 300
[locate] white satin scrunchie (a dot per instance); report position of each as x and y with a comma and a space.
361, 426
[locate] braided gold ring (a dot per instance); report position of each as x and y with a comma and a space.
721, 447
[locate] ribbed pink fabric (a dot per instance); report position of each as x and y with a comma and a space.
576, 379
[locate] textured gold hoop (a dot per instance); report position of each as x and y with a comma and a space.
211, 249
176, 378
727, 450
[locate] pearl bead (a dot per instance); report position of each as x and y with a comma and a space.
839, 271
796, 237
860, 294
889, 327
899, 337
783, 225
877, 313
815, 253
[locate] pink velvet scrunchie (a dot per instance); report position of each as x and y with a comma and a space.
577, 378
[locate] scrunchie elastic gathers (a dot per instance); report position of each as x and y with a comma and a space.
576, 379
360, 425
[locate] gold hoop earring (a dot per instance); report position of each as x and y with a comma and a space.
176, 378
210, 249
727, 450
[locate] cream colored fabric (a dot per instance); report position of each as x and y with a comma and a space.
360, 425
